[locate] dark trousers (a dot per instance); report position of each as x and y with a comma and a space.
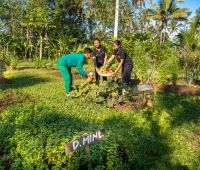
97, 76
126, 73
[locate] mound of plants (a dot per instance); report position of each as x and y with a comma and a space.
112, 93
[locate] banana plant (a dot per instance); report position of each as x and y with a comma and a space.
190, 51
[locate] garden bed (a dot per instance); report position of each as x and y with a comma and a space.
131, 106
179, 89
182, 89
75, 76
11, 98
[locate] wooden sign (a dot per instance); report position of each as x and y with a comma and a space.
84, 141
145, 87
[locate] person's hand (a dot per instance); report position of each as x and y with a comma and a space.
90, 76
105, 62
116, 72
97, 70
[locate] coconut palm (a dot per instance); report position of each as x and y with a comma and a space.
167, 13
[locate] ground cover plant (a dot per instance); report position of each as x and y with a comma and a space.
33, 132
158, 130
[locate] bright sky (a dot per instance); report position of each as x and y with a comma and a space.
191, 4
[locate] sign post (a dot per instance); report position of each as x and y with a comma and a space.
87, 151
145, 87
85, 141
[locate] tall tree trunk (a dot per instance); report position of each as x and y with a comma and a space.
7, 49
41, 44
30, 43
25, 52
46, 39
14, 51
90, 18
161, 37
90, 28
116, 19
141, 22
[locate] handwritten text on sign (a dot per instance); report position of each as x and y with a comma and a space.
84, 141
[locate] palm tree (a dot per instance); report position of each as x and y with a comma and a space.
198, 28
139, 3
116, 19
167, 13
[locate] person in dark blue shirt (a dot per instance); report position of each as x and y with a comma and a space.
125, 62
99, 54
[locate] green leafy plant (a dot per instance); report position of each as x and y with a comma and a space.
190, 51
151, 62
42, 63
14, 62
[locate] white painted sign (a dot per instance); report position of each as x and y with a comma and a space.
145, 87
84, 141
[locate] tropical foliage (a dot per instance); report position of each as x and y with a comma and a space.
37, 119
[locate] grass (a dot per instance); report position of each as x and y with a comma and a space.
33, 132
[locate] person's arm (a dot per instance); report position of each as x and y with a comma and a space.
95, 65
119, 66
80, 68
106, 57
94, 58
110, 59
122, 58
95, 62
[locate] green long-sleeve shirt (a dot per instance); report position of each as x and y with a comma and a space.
74, 60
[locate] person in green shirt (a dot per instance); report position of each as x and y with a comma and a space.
66, 62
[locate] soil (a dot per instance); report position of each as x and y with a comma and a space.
45, 69
130, 106
75, 76
198, 140
7, 163
184, 82
10, 98
181, 89
186, 90
197, 82
57, 74
124, 107
5, 81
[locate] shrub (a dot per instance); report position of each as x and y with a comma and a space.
151, 59
14, 62
41, 63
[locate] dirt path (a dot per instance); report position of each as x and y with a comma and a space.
5, 81
75, 76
